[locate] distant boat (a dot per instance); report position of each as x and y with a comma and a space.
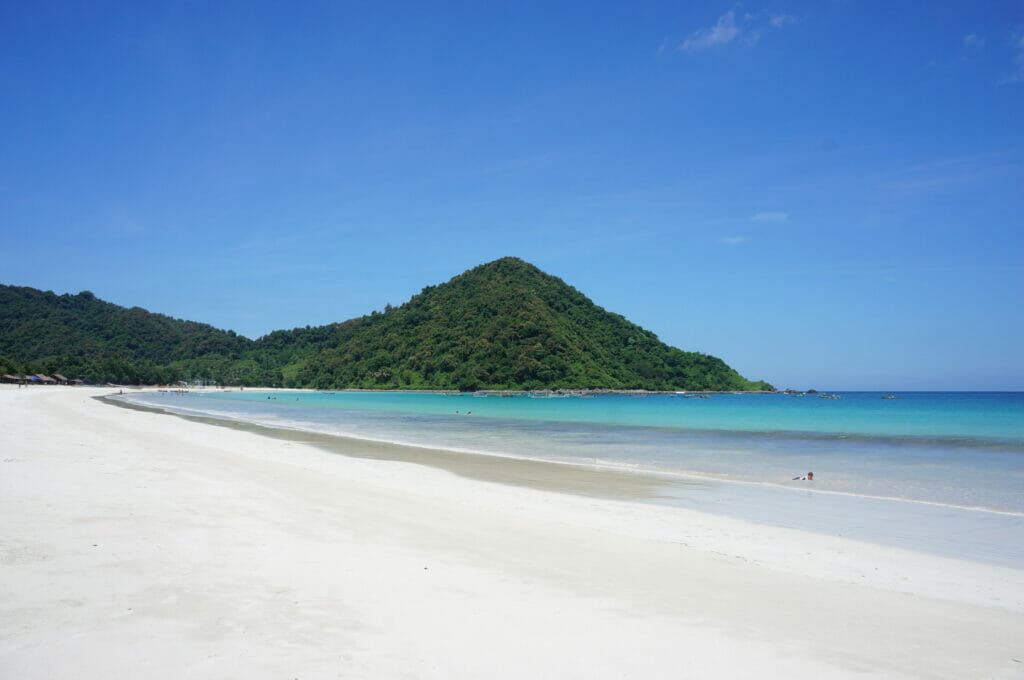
828, 396
889, 396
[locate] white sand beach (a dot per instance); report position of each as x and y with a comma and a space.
144, 545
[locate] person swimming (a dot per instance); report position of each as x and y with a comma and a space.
808, 477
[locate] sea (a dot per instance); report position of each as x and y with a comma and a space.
935, 472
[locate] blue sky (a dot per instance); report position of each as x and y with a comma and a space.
824, 194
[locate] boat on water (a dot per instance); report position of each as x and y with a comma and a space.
889, 396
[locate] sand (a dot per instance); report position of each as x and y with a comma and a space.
143, 545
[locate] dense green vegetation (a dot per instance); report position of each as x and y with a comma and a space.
507, 325
502, 325
81, 336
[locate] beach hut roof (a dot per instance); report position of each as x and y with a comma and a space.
58, 376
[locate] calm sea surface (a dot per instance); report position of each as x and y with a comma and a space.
940, 472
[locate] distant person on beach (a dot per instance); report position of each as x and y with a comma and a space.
808, 477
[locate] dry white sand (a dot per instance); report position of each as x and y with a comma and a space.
142, 545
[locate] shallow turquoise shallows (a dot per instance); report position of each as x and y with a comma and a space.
941, 472
941, 414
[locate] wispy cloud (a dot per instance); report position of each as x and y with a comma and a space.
123, 224
730, 28
733, 240
722, 33
975, 41
780, 20
524, 163
947, 174
777, 217
1018, 58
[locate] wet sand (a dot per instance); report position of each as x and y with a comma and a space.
546, 476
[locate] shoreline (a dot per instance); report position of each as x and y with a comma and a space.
365, 390
983, 535
557, 476
454, 460
979, 535
141, 545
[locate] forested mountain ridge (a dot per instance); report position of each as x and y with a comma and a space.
41, 323
501, 325
508, 325
81, 335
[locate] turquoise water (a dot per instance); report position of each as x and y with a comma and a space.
982, 415
942, 472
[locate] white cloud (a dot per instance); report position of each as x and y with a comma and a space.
1018, 59
780, 20
777, 217
722, 33
734, 240
729, 28
974, 40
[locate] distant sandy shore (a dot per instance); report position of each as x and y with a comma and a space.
143, 545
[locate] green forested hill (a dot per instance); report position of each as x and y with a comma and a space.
502, 325
43, 323
81, 335
508, 325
